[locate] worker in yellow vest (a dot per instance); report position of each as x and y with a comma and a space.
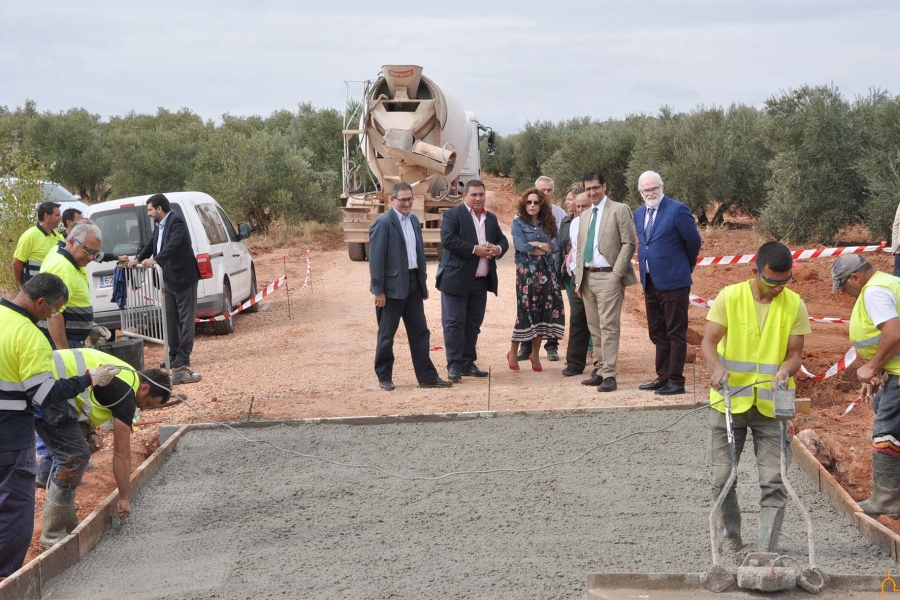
71, 328
875, 333
35, 242
754, 333
66, 437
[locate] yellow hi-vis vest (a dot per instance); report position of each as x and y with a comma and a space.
69, 363
863, 333
751, 355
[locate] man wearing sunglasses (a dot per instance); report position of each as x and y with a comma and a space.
875, 333
753, 342
71, 327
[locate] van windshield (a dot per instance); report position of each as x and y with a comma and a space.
124, 229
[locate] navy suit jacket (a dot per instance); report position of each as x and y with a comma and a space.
388, 260
673, 245
456, 273
176, 255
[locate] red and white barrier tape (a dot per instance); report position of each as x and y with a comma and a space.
704, 303
834, 369
308, 274
270, 289
743, 259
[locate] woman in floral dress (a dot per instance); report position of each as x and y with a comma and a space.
540, 312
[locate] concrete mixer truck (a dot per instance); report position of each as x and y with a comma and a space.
408, 129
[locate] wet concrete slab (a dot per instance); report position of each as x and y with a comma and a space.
224, 518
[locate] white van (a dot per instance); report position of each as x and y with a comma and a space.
53, 192
228, 277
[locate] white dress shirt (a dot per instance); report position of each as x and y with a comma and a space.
599, 260
409, 237
573, 239
483, 269
160, 226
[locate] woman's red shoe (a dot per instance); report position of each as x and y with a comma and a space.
514, 368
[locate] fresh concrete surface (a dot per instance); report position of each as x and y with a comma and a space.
226, 519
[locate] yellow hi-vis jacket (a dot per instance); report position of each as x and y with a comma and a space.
33, 246
69, 363
78, 312
863, 333
750, 355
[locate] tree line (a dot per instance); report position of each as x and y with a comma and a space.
806, 164
287, 165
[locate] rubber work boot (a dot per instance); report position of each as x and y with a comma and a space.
770, 520
885, 498
728, 521
59, 518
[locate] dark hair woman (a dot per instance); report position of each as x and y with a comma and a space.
540, 311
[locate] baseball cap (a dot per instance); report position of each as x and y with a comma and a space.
844, 267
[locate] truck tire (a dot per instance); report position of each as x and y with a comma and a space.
227, 326
356, 250
253, 291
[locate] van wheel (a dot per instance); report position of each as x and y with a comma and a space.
356, 250
227, 326
253, 291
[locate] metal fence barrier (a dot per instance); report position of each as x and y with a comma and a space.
144, 315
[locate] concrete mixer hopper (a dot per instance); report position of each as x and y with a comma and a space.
409, 129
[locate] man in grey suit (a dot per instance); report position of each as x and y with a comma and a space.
397, 271
606, 242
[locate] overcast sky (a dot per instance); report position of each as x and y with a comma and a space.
509, 61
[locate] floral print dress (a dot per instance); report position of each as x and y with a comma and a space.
540, 311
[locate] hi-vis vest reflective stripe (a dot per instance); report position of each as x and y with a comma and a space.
24, 361
79, 312
863, 333
69, 363
33, 246
749, 355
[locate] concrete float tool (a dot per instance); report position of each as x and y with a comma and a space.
765, 571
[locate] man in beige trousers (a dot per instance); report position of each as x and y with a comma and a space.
606, 243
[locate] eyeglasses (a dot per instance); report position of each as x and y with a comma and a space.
593, 188
54, 312
533, 202
652, 190
775, 282
88, 251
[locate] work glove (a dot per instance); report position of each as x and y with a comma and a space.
99, 335
103, 374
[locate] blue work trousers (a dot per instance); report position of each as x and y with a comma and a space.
886, 427
17, 471
462, 317
69, 452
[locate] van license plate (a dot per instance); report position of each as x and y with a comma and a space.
106, 281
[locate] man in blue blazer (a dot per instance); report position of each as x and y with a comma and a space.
397, 271
668, 247
472, 243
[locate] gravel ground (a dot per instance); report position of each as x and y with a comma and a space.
226, 519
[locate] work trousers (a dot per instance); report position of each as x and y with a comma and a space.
17, 470
579, 334
69, 453
602, 293
896, 272
462, 316
766, 447
667, 323
412, 310
886, 427
181, 310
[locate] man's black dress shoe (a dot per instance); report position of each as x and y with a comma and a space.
453, 374
572, 371
524, 352
387, 386
595, 379
436, 383
653, 385
472, 371
670, 389
608, 385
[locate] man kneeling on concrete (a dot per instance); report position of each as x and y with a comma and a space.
753, 339
63, 434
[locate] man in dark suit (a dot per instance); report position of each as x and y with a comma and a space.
668, 246
170, 248
398, 282
472, 241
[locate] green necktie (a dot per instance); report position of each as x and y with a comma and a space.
589, 243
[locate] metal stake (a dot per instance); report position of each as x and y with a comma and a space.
489, 388
250, 410
287, 287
